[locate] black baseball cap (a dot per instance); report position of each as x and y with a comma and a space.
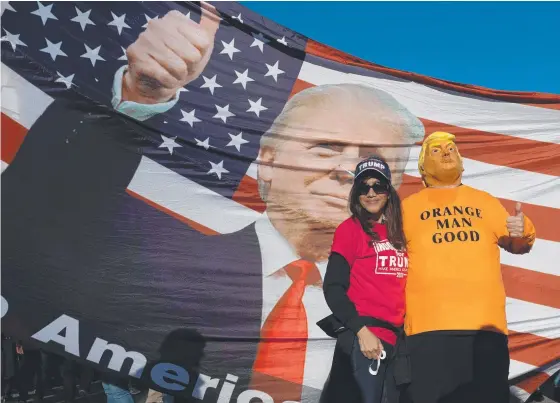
373, 164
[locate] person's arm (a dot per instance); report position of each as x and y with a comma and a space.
335, 288
516, 234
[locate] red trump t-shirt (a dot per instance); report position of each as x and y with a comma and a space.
378, 274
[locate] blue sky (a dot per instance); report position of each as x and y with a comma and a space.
502, 45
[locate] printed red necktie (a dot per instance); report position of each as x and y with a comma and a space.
281, 352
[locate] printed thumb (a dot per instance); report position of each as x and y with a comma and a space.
210, 18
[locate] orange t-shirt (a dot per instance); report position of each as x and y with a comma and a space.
454, 275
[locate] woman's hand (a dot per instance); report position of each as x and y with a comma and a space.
370, 345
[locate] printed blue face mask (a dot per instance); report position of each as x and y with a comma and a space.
382, 356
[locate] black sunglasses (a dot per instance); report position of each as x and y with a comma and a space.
378, 188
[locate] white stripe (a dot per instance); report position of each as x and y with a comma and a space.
454, 108
517, 368
527, 317
539, 259
189, 199
252, 171
3, 166
503, 182
21, 100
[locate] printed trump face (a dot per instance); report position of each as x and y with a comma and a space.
308, 169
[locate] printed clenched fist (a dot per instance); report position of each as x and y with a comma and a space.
170, 53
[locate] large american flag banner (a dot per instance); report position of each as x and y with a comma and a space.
199, 165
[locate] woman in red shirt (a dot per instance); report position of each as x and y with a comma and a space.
364, 288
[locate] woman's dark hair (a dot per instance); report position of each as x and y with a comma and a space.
392, 213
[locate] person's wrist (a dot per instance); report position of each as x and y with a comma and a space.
362, 331
130, 93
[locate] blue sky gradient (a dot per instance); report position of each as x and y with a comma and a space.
501, 45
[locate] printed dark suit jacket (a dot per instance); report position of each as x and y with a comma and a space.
75, 242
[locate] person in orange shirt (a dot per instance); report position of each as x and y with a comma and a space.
455, 299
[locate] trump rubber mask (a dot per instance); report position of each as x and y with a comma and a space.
440, 163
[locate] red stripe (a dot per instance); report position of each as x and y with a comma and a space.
530, 98
409, 186
532, 286
532, 349
247, 194
12, 136
532, 383
300, 85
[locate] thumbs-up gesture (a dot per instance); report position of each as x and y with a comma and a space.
170, 53
516, 224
